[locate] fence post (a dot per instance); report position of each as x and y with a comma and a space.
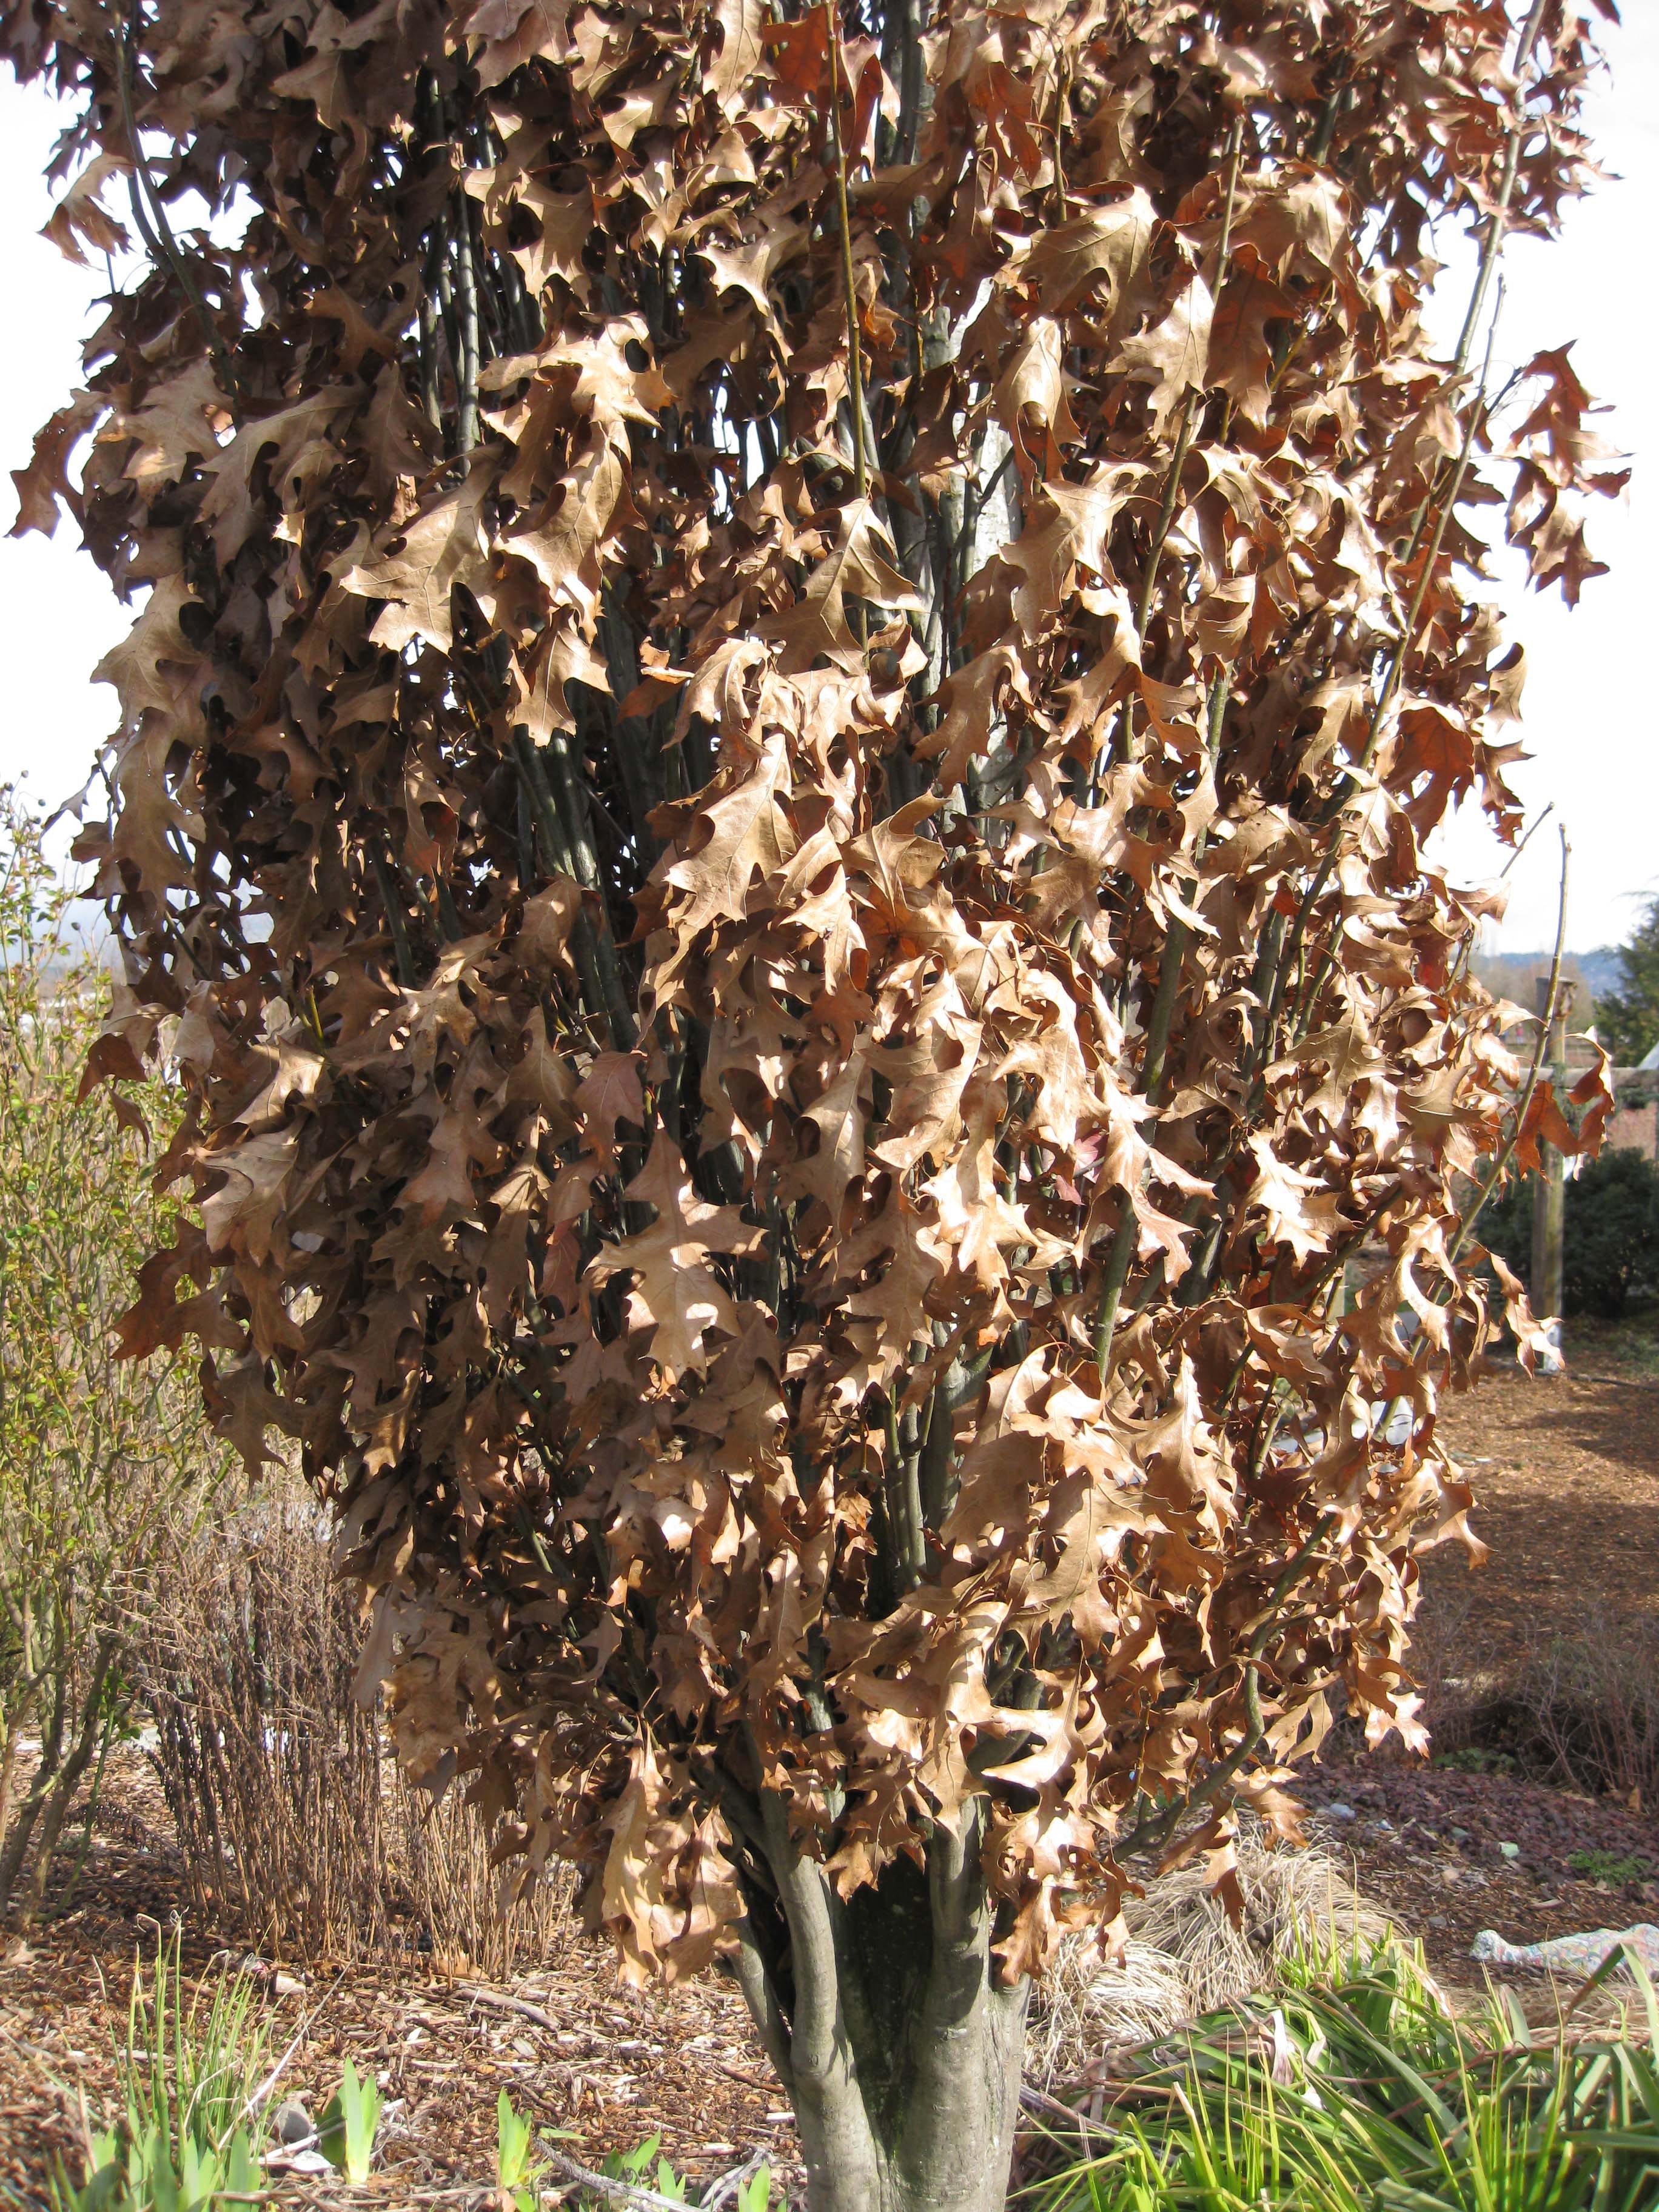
1549, 1210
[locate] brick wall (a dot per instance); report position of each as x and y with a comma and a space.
1631, 1128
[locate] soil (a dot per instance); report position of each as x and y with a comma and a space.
1565, 1470
1567, 1475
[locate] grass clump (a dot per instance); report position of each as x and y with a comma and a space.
190, 2129
1352, 2089
1610, 1866
1477, 1758
187, 2132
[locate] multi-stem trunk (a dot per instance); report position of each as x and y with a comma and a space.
54, 1793
886, 2020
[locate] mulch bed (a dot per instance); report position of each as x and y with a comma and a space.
1567, 1472
610, 2064
1427, 1847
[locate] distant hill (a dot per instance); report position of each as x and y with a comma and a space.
1510, 975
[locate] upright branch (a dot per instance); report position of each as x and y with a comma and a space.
844, 226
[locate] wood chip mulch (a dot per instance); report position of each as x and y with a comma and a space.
1426, 1844
1565, 1470
570, 2043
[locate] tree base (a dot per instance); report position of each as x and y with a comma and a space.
901, 2055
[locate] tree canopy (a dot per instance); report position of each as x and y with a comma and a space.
772, 790
1628, 1017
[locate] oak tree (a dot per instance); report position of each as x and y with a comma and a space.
793, 667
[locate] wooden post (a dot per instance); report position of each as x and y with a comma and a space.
1549, 1205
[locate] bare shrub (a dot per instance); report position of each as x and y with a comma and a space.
466, 1906
98, 1454
1455, 1663
1593, 1700
300, 1835
271, 1772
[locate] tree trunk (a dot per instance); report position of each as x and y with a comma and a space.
884, 2017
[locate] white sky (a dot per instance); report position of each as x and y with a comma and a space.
1591, 711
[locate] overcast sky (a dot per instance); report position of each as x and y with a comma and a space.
1589, 707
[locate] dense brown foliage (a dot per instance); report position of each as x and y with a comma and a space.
801, 941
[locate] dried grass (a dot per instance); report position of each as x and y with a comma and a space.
299, 1836
1185, 1957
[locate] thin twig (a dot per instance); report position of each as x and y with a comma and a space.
1157, 1828
1152, 1072
1118, 743
466, 274
729, 2185
1189, 410
1526, 841
259, 2094
1291, 958
1039, 2100
558, 860
1063, 86
1500, 1164
1505, 191
623, 2192
520, 2005
1477, 413
395, 920
855, 352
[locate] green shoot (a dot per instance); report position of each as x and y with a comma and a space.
185, 2135
350, 2121
517, 2169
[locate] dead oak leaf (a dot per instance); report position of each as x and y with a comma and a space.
1240, 353
416, 571
858, 566
610, 1092
836, 1160
514, 32
675, 1295
45, 481
178, 423
80, 214
915, 1263
1348, 1056
1174, 354
1300, 1212
1096, 260
739, 830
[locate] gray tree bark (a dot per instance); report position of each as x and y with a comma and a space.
882, 2015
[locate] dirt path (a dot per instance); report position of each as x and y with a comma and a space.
1566, 1472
